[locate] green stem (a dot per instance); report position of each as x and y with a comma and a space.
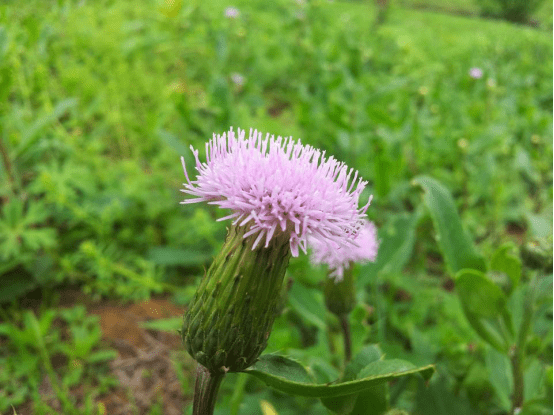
518, 356
517, 371
346, 336
7, 162
205, 391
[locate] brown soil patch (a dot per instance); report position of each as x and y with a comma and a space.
152, 367
146, 363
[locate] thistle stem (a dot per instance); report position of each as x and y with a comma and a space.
346, 337
205, 391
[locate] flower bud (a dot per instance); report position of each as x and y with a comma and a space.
340, 295
228, 323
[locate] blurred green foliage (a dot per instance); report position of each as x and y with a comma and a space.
99, 100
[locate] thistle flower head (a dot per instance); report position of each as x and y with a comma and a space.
476, 73
278, 185
232, 12
338, 259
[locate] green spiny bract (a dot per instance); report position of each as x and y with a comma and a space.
228, 322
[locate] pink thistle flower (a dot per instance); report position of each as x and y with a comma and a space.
277, 185
476, 73
232, 12
340, 259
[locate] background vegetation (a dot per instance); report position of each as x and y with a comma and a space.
98, 100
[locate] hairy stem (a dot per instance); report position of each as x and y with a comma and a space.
205, 391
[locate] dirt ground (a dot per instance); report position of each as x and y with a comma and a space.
145, 365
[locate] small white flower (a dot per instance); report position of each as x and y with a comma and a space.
237, 79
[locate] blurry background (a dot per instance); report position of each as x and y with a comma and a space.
98, 100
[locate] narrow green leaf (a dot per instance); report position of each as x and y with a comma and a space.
457, 248
101, 356
500, 376
290, 377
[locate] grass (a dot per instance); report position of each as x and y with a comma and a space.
99, 100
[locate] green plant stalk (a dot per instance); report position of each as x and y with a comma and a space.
340, 299
205, 390
518, 356
345, 326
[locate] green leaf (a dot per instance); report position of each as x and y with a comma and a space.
508, 264
101, 356
367, 355
170, 325
309, 304
290, 377
457, 248
397, 242
373, 401
484, 306
347, 404
479, 295
14, 283
171, 8
500, 376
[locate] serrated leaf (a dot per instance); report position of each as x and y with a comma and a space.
458, 249
291, 377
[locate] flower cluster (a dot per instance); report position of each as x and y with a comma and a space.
277, 185
341, 258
